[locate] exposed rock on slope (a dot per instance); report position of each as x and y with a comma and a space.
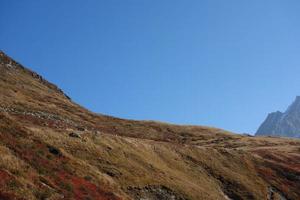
111, 158
285, 124
10, 66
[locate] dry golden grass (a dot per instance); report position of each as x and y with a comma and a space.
115, 158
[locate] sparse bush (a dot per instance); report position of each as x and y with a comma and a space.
42, 194
13, 184
49, 157
41, 152
67, 186
88, 178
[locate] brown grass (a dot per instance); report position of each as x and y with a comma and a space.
39, 160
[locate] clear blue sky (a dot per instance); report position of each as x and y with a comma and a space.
205, 62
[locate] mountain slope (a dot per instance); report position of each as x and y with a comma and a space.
285, 124
52, 148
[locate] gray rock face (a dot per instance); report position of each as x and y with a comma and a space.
285, 124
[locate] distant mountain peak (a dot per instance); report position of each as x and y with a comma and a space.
285, 124
276, 112
297, 100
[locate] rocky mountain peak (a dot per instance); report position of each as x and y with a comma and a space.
283, 124
295, 106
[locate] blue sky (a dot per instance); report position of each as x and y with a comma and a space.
218, 63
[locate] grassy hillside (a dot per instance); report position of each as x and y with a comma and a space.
52, 148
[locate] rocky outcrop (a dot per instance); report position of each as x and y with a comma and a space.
285, 124
14, 67
154, 192
268, 126
274, 194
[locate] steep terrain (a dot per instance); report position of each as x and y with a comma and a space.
52, 148
285, 124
